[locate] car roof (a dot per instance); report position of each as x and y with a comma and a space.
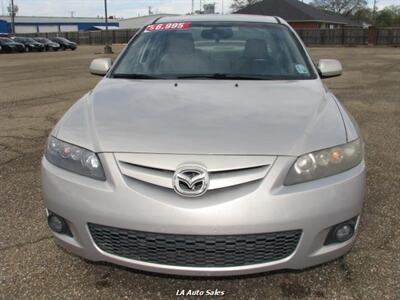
221, 18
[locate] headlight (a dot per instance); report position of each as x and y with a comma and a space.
74, 159
325, 162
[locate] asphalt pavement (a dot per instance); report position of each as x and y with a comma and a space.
37, 88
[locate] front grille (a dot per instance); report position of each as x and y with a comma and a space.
223, 171
195, 250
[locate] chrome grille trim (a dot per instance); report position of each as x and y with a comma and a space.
221, 175
154, 176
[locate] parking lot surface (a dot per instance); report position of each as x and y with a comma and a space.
37, 88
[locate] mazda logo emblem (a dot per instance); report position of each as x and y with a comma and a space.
191, 181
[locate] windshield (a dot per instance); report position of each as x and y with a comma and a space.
61, 40
40, 40
23, 40
215, 50
7, 41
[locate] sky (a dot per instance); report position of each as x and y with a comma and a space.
121, 8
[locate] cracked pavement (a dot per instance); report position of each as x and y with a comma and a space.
37, 88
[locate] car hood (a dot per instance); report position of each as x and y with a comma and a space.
205, 117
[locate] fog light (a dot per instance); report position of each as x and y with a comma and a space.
58, 224
344, 232
341, 232
55, 223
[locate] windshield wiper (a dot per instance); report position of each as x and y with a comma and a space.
223, 76
134, 76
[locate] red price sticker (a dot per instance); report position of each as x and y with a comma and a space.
167, 26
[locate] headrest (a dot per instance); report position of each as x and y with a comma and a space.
181, 43
256, 48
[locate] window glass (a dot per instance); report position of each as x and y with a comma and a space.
219, 49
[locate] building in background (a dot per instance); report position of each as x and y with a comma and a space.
138, 22
52, 24
209, 8
299, 14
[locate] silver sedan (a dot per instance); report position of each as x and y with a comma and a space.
210, 147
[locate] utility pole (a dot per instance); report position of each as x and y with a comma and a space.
12, 18
107, 47
192, 7
374, 9
2, 8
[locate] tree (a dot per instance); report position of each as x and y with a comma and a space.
239, 4
344, 7
364, 14
389, 16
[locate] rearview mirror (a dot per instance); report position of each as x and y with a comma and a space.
100, 66
217, 34
329, 68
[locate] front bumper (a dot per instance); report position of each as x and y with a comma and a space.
265, 207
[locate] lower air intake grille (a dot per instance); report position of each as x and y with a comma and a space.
195, 250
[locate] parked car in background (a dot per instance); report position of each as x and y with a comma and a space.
48, 44
29, 43
64, 43
10, 46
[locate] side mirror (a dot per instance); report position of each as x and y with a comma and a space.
100, 66
329, 68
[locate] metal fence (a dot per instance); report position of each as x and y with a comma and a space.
388, 36
339, 36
